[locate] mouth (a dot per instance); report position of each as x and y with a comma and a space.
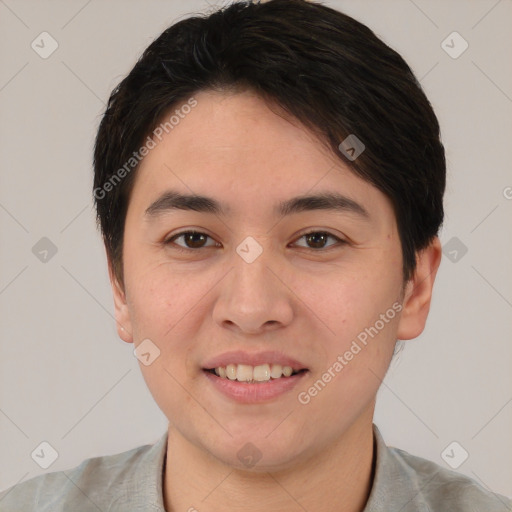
254, 377
258, 374
246, 384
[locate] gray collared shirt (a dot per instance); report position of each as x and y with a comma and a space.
132, 481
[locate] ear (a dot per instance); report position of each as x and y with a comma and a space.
418, 293
123, 321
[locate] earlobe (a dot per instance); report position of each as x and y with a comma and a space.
122, 315
418, 293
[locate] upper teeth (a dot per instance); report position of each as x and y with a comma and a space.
246, 372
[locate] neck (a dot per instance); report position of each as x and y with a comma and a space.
341, 475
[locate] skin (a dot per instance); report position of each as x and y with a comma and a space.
307, 302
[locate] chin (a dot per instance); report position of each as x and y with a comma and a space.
258, 454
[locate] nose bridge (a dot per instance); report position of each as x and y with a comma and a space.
251, 276
252, 297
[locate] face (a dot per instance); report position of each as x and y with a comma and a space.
255, 286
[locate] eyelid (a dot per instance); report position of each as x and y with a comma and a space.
339, 241
170, 239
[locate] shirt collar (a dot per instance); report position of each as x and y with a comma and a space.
392, 486
142, 487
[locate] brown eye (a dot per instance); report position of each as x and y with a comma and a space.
192, 240
317, 239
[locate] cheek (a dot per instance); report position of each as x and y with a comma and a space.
360, 314
165, 384
345, 303
167, 307
164, 309
159, 299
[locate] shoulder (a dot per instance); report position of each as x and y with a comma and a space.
409, 483
444, 490
95, 484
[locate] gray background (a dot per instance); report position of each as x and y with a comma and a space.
67, 379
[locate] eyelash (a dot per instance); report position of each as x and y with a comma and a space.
179, 248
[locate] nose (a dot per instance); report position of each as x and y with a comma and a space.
254, 297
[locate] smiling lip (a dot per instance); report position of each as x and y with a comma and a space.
247, 392
253, 359
250, 393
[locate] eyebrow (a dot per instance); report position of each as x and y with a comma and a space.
330, 201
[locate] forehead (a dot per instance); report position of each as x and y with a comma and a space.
234, 148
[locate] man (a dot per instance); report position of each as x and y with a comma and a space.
269, 184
